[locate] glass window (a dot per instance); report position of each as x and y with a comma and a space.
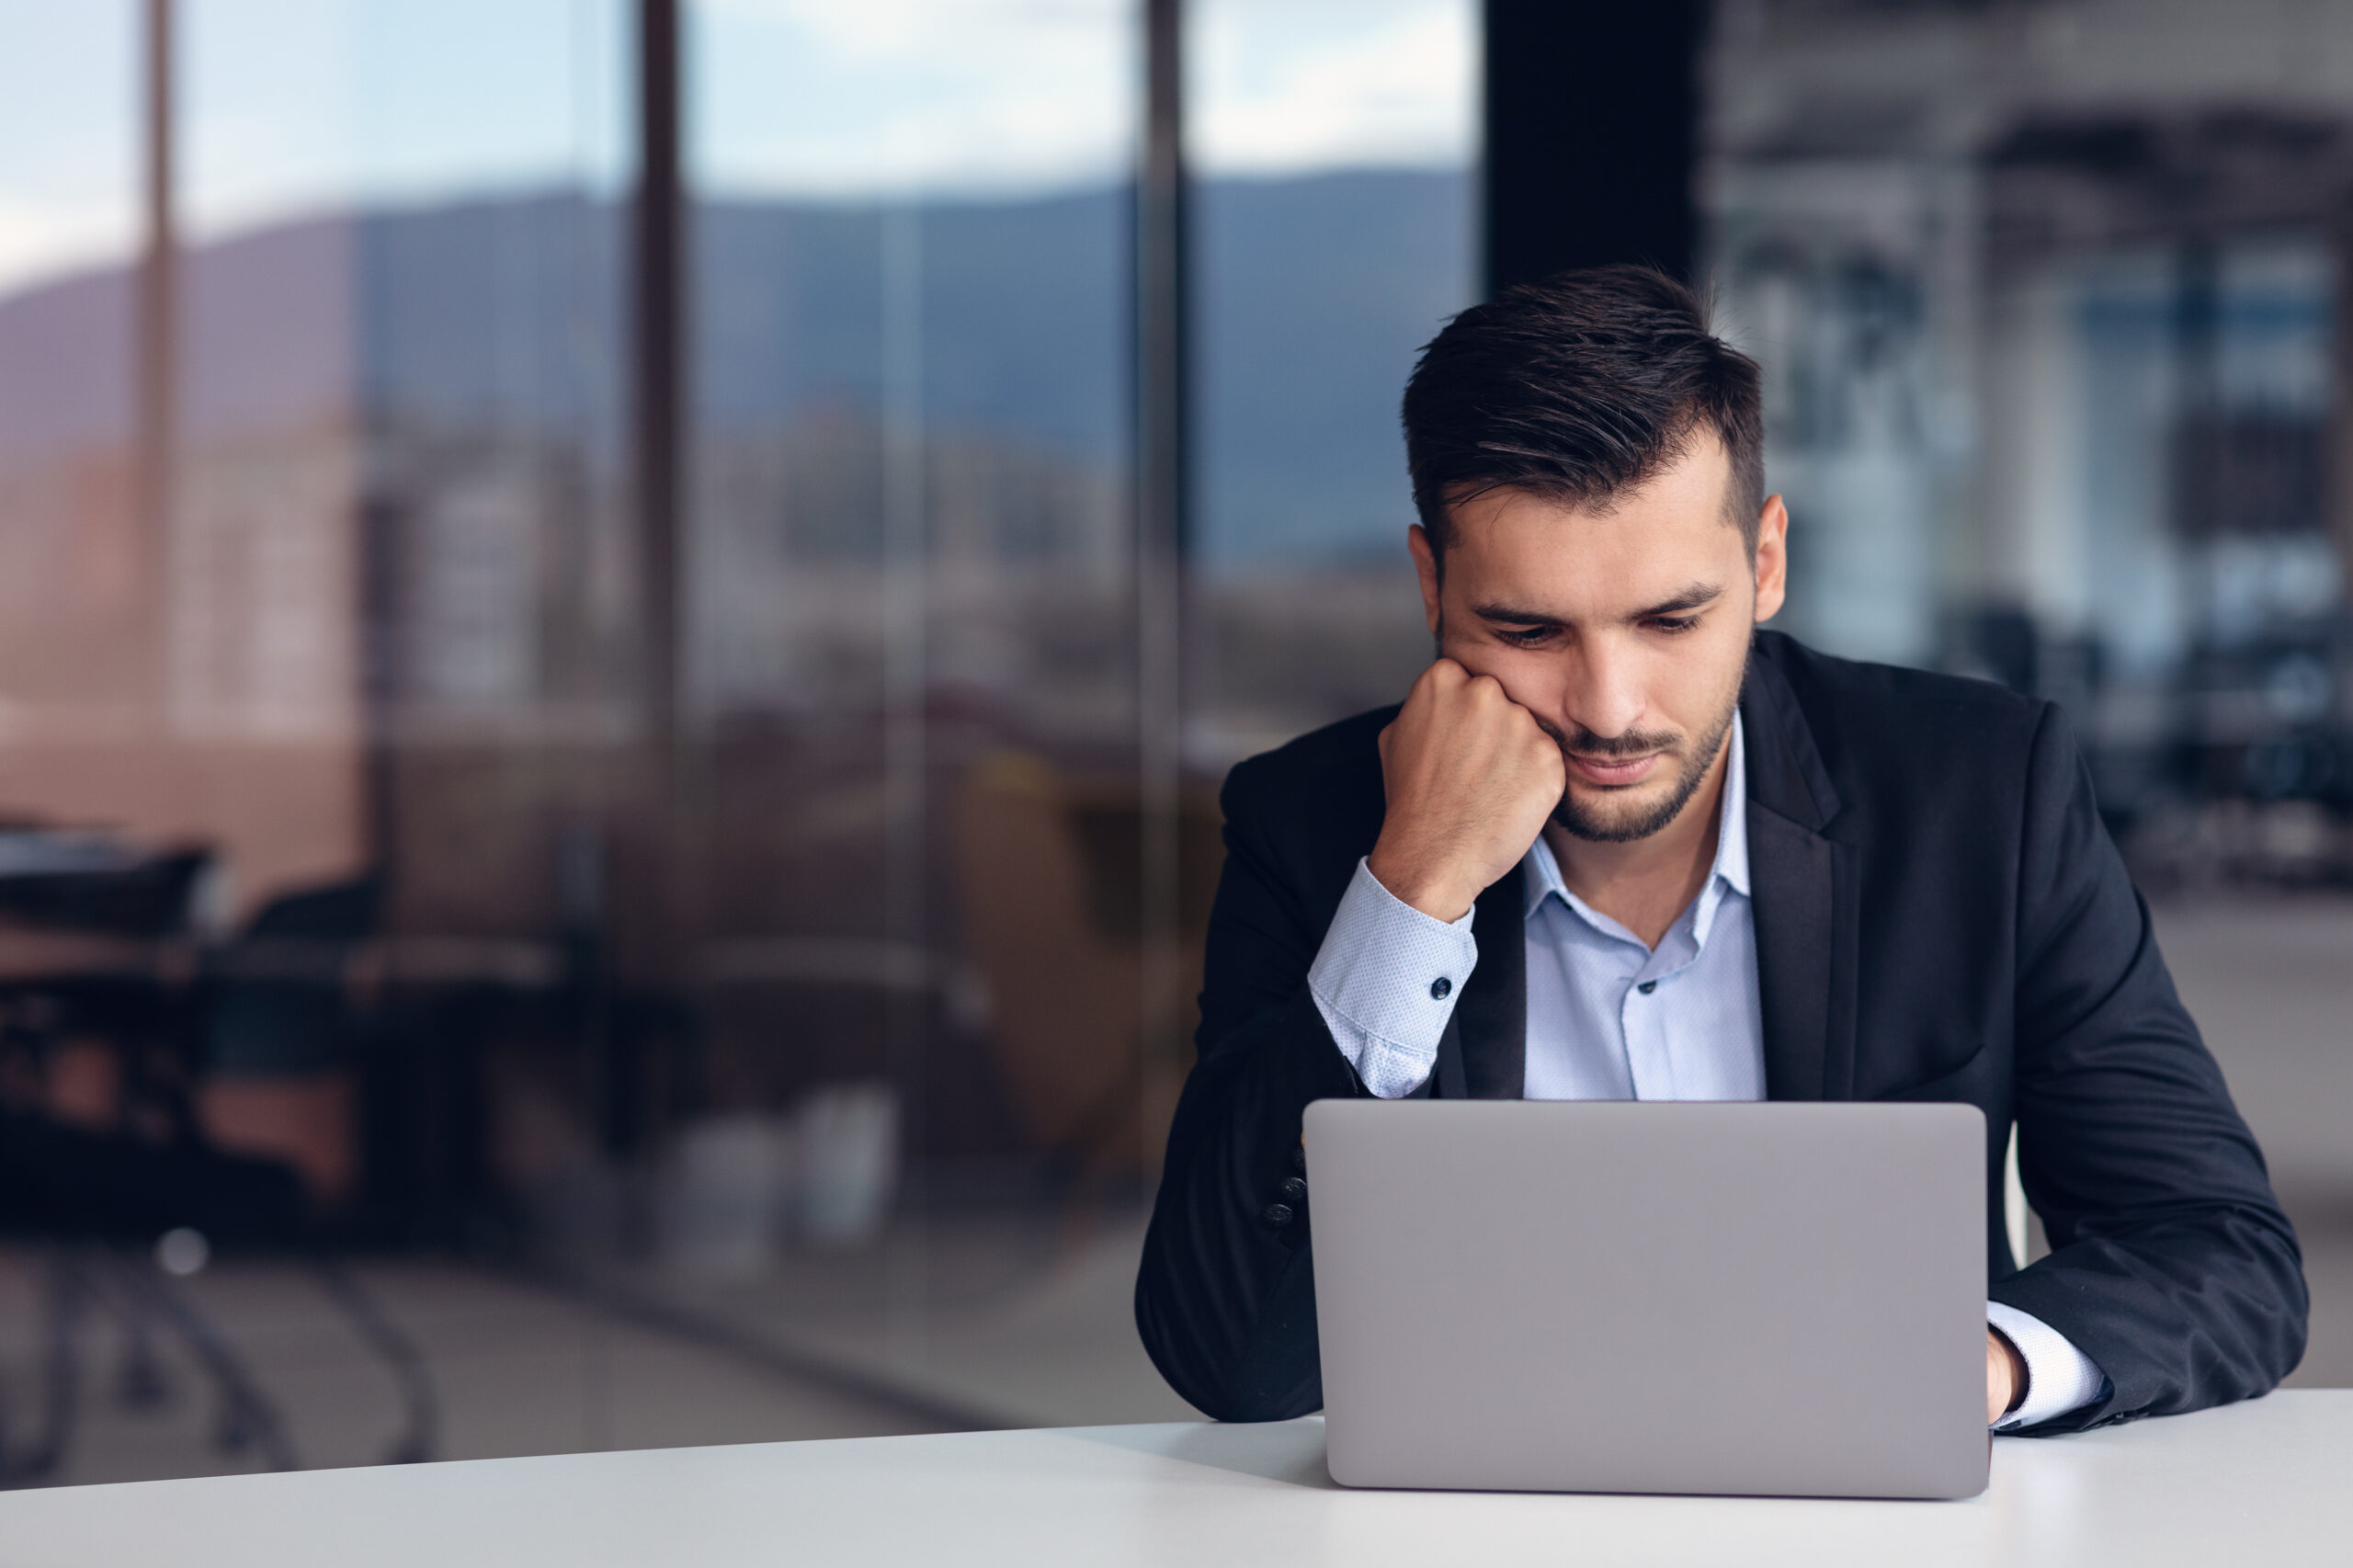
398, 509
69, 117
70, 556
1334, 150
824, 1020
2050, 309
912, 677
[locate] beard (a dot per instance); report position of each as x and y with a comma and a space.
1581, 819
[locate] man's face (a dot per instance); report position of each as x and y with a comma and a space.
1625, 631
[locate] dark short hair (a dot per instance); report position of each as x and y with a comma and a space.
1579, 388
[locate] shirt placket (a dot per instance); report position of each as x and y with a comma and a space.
1641, 1013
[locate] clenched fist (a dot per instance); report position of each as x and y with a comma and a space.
1471, 779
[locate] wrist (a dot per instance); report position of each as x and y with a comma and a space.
2006, 1375
1429, 890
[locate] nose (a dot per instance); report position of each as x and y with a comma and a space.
1603, 692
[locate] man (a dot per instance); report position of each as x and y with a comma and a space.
1616, 844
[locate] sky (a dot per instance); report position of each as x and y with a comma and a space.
291, 107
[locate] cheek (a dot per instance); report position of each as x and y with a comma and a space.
1534, 680
1701, 673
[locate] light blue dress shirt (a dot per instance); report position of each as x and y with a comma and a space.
1608, 1018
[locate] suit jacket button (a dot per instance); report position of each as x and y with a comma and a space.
1293, 1190
1298, 1161
1276, 1214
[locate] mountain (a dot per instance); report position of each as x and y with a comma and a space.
508, 315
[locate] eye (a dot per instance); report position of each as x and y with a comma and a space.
1673, 625
1525, 636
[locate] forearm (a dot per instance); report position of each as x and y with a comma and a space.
2197, 1310
2172, 1266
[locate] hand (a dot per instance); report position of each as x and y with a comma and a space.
1471, 779
2004, 1377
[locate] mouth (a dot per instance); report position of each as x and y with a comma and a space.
1613, 773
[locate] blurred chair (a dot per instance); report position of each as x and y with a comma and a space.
96, 1197
1050, 885
279, 1030
279, 1035
94, 1194
74, 885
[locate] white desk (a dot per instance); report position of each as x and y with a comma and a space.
2269, 1482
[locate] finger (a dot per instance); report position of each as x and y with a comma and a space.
1495, 698
1490, 691
1519, 705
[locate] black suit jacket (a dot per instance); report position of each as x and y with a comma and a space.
1939, 914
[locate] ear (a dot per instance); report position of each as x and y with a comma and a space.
1772, 562
1426, 568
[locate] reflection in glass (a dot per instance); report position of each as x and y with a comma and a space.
2049, 380
553, 1067
70, 551
911, 667
1334, 150
2050, 305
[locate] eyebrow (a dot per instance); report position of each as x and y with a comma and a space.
1696, 596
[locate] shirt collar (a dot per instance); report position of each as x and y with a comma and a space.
1729, 872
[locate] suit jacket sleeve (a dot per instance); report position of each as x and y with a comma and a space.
1225, 1299
2173, 1267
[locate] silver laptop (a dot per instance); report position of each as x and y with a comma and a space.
1779, 1300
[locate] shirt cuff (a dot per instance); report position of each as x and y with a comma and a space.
1386, 980
2059, 1378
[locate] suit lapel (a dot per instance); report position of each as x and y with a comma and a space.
1800, 895
1484, 1053
1793, 888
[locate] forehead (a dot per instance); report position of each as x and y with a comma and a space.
1641, 546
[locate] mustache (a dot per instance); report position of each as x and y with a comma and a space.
1609, 748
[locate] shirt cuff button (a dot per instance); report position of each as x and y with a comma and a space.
1440, 988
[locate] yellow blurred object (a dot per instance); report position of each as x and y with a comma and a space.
1050, 873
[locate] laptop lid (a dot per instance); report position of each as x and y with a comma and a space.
1780, 1299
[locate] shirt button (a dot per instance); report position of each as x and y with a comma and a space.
1276, 1214
1440, 988
1647, 987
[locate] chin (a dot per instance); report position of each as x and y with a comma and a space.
1620, 817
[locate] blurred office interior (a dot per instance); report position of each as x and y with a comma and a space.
620, 619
